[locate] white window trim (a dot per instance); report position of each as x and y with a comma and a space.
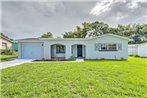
98, 47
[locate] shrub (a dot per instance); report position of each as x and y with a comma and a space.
122, 58
102, 58
7, 51
136, 55
72, 58
131, 55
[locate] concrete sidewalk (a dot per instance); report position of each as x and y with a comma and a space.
15, 62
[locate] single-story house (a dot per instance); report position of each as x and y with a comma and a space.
5, 42
138, 49
107, 46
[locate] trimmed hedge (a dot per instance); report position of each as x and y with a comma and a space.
7, 51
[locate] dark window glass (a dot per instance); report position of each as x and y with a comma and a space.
112, 47
103, 46
60, 49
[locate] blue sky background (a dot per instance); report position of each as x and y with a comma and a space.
22, 19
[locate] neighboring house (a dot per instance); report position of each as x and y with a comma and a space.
106, 46
138, 49
5, 42
133, 49
142, 50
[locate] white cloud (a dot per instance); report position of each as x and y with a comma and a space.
106, 5
31, 19
101, 7
119, 11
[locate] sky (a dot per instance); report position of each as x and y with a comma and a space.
32, 18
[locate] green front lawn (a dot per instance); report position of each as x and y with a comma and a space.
7, 57
89, 79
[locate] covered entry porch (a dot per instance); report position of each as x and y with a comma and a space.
78, 51
58, 51
61, 51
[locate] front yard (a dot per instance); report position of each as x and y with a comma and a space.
90, 79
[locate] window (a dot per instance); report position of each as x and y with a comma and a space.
4, 45
60, 49
107, 47
112, 47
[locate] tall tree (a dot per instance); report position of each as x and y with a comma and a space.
47, 35
98, 28
136, 32
86, 28
78, 32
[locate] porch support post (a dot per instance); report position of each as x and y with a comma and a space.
68, 51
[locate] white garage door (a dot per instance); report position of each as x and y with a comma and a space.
32, 51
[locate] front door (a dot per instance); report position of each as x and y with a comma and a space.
79, 50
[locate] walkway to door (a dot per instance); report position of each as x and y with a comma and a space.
79, 60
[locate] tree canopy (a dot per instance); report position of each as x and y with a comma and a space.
136, 32
47, 35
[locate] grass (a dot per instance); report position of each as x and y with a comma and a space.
89, 79
7, 57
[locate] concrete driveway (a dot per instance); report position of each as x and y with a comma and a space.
15, 62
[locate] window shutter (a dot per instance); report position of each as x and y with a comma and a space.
96, 47
99, 46
119, 46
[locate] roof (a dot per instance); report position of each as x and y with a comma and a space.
6, 38
58, 39
28, 39
135, 45
111, 35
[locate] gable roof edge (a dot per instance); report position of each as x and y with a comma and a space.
111, 35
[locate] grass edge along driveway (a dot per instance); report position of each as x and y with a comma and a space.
91, 79
4, 58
